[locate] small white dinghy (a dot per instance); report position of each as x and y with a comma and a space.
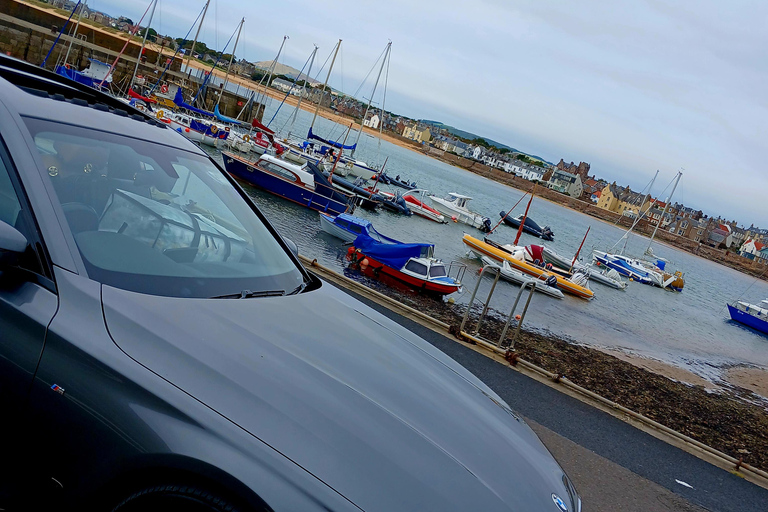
515, 276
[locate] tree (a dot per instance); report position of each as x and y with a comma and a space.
151, 33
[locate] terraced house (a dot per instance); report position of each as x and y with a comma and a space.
622, 200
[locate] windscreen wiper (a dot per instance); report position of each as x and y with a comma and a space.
248, 294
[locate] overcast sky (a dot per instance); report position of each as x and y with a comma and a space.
629, 87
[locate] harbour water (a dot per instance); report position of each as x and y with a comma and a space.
691, 330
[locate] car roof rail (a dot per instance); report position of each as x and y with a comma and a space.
42, 82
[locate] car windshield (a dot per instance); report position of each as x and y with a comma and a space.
155, 219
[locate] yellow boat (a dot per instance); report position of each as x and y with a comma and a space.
499, 254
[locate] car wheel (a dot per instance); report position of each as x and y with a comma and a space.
174, 497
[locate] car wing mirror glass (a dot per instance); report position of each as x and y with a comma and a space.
292, 246
12, 243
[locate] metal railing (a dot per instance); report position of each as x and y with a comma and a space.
500, 346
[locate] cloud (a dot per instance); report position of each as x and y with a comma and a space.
630, 87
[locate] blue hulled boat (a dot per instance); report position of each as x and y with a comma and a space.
750, 315
304, 185
348, 228
530, 226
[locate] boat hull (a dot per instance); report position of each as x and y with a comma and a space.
375, 269
622, 268
557, 260
516, 277
327, 225
299, 194
512, 222
746, 319
473, 219
481, 247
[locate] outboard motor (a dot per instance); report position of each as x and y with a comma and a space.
551, 281
486, 227
547, 233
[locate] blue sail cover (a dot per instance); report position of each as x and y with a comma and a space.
333, 143
179, 101
225, 119
392, 255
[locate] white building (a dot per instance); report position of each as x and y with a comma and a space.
372, 121
532, 173
566, 183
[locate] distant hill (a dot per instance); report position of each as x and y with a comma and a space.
470, 136
282, 69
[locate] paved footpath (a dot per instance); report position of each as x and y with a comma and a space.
615, 466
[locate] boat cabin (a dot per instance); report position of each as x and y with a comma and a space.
458, 200
287, 171
425, 268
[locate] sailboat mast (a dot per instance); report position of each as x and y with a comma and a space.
143, 43
303, 90
272, 70
370, 100
576, 256
525, 216
74, 32
666, 206
232, 58
327, 77
639, 213
194, 42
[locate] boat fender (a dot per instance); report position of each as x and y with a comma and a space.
454, 219
548, 266
186, 130
364, 263
551, 281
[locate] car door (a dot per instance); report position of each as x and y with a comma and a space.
28, 302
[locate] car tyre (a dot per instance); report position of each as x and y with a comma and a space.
174, 497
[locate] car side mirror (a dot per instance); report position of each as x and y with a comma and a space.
292, 246
12, 244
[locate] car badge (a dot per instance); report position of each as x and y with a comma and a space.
560, 503
58, 389
53, 171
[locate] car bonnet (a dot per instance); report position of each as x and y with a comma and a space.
367, 407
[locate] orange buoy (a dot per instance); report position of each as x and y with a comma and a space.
364, 263
517, 317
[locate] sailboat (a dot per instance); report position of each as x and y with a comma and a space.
638, 269
318, 149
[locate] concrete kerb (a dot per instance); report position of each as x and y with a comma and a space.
559, 382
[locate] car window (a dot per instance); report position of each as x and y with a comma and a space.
155, 219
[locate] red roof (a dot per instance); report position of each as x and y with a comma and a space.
758, 245
591, 183
598, 193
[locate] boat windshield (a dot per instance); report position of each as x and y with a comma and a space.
437, 270
155, 219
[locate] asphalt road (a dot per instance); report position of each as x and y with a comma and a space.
615, 466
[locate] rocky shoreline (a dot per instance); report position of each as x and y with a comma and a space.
725, 416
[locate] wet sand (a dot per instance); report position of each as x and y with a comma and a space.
753, 379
